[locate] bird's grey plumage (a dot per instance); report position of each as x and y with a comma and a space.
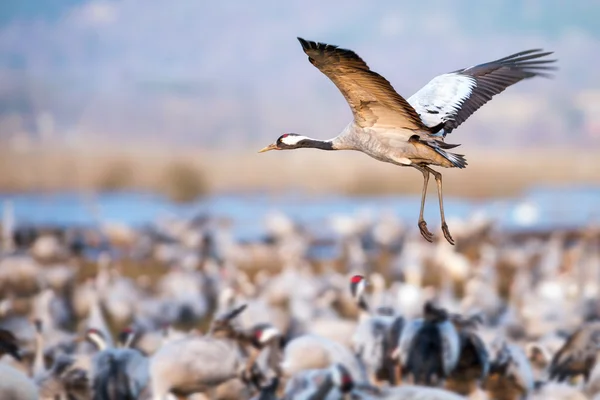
314, 352
510, 361
319, 384
194, 364
122, 371
198, 363
391, 129
385, 125
117, 372
430, 346
376, 334
449, 99
406, 336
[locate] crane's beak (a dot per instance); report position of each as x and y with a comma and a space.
269, 147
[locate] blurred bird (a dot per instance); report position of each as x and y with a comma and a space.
8, 344
410, 133
429, 347
578, 355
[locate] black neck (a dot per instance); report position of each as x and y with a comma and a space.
316, 144
362, 304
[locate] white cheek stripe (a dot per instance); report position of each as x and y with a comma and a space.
293, 140
268, 334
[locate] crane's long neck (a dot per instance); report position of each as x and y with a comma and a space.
38, 364
98, 341
311, 143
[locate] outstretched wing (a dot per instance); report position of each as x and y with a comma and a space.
449, 99
371, 97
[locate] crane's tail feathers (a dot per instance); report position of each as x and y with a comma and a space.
440, 147
457, 160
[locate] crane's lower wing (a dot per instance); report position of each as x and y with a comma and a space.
449, 99
371, 97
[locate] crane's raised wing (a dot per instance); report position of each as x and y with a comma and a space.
449, 99
371, 97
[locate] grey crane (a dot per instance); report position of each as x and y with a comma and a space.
473, 362
510, 373
117, 372
14, 384
201, 363
429, 347
64, 379
410, 132
376, 336
578, 354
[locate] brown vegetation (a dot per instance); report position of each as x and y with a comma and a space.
185, 175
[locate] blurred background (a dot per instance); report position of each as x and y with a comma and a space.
134, 109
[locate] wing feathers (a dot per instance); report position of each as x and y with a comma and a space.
457, 95
371, 97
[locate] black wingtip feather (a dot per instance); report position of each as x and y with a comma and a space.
305, 44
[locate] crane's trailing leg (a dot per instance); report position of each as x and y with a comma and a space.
438, 180
422, 224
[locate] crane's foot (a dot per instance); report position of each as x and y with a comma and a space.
447, 234
425, 232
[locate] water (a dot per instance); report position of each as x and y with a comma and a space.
539, 208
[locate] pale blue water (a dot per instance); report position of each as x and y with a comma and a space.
540, 208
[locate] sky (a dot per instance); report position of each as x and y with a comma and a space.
231, 73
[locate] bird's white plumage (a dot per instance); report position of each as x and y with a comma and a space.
360, 288
268, 334
442, 97
292, 140
97, 339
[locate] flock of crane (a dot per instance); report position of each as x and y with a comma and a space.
388, 316
382, 315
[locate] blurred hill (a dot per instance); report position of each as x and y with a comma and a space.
231, 74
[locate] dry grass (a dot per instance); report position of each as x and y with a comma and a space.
183, 182
184, 175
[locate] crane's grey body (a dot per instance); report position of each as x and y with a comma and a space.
211, 360
200, 363
410, 132
314, 352
376, 335
117, 372
121, 370
387, 145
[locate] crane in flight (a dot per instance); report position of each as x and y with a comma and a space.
411, 132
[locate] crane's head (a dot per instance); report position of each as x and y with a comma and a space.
358, 284
342, 378
126, 337
287, 141
264, 334
95, 337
